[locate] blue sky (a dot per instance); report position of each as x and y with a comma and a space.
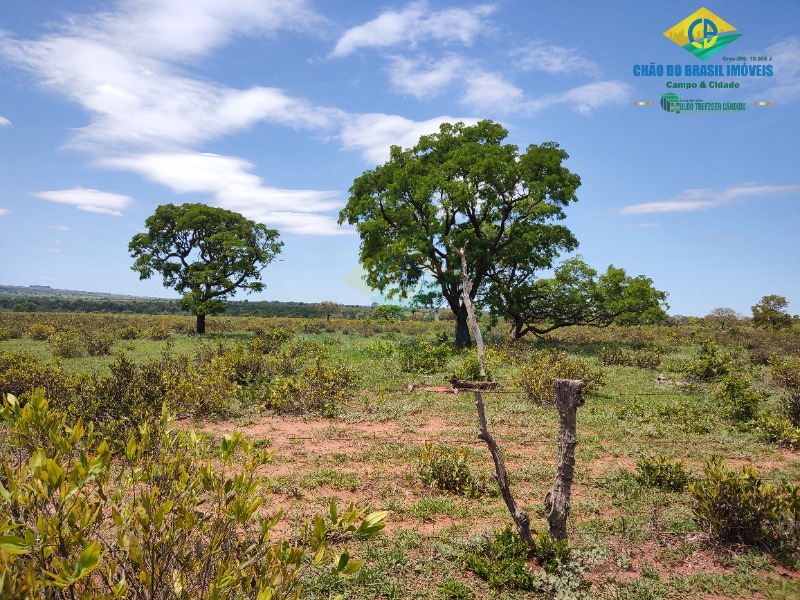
272, 108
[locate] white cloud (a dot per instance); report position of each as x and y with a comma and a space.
182, 29
424, 78
4, 122
540, 56
128, 70
647, 225
89, 200
413, 25
584, 99
373, 134
489, 91
4, 211
229, 180
785, 83
701, 199
58, 228
141, 102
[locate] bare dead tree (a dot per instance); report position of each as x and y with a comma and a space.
520, 517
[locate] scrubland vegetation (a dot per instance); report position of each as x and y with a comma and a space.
262, 460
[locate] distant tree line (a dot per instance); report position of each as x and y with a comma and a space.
57, 301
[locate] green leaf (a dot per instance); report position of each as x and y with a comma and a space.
89, 560
14, 544
353, 566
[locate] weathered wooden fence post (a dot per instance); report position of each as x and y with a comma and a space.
556, 502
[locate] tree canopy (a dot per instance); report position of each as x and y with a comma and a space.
464, 188
770, 312
574, 295
204, 253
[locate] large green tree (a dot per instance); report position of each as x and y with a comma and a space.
205, 253
461, 187
464, 188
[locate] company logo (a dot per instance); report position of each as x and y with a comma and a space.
670, 102
702, 33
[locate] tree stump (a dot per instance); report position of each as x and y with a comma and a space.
556, 502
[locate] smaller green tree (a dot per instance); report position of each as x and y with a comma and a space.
328, 308
205, 253
770, 312
724, 316
387, 312
575, 295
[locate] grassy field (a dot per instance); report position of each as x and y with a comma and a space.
353, 431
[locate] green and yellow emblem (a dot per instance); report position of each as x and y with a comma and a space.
702, 33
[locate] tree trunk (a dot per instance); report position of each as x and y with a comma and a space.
556, 502
201, 324
516, 328
463, 339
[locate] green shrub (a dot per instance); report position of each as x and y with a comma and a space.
98, 342
709, 363
158, 331
155, 520
500, 560
551, 554
644, 358
778, 430
295, 356
67, 344
268, 342
740, 507
128, 332
536, 376
380, 349
132, 393
423, 357
612, 356
21, 373
786, 373
10, 331
469, 369
240, 363
39, 331
662, 473
738, 399
319, 388
446, 469
455, 590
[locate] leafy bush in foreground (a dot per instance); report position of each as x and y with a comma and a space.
663, 473
743, 508
500, 560
446, 469
168, 517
